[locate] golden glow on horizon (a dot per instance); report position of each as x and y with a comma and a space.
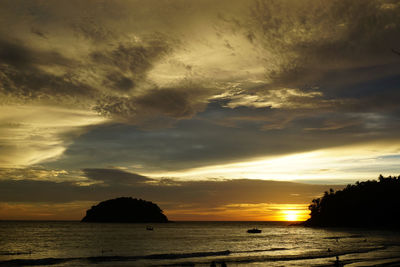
242, 212
44, 211
231, 212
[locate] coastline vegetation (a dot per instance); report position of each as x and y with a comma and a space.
373, 203
125, 210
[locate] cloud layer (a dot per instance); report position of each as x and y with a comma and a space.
277, 54
184, 199
172, 86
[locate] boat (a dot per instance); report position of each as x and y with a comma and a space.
149, 228
254, 231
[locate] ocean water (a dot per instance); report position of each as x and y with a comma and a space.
193, 244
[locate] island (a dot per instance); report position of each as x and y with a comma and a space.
125, 210
373, 203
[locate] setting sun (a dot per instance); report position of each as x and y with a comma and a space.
294, 215
291, 215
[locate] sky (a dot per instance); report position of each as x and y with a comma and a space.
214, 110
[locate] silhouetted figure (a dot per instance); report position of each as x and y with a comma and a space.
213, 264
365, 204
223, 264
329, 250
337, 262
125, 210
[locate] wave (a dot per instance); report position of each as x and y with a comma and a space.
33, 262
12, 253
176, 256
259, 250
343, 237
284, 258
169, 256
313, 255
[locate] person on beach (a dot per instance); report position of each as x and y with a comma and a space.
337, 262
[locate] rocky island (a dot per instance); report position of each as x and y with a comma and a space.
125, 210
365, 204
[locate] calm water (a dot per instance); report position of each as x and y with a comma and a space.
196, 243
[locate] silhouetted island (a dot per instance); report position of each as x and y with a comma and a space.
125, 210
365, 204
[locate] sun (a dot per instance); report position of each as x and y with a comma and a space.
291, 215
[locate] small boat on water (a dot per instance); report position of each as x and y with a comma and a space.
254, 231
149, 228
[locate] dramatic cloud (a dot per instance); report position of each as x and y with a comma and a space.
166, 103
278, 54
31, 134
115, 176
213, 140
190, 88
174, 195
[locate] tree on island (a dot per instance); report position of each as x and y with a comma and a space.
125, 210
365, 204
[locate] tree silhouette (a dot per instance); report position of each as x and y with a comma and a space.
365, 204
125, 210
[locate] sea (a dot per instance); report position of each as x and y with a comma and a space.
49, 243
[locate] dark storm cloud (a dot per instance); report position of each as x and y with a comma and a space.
130, 62
35, 85
21, 66
16, 54
115, 177
209, 193
175, 103
220, 135
335, 46
118, 81
136, 59
188, 144
74, 57
365, 33
23, 80
329, 45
